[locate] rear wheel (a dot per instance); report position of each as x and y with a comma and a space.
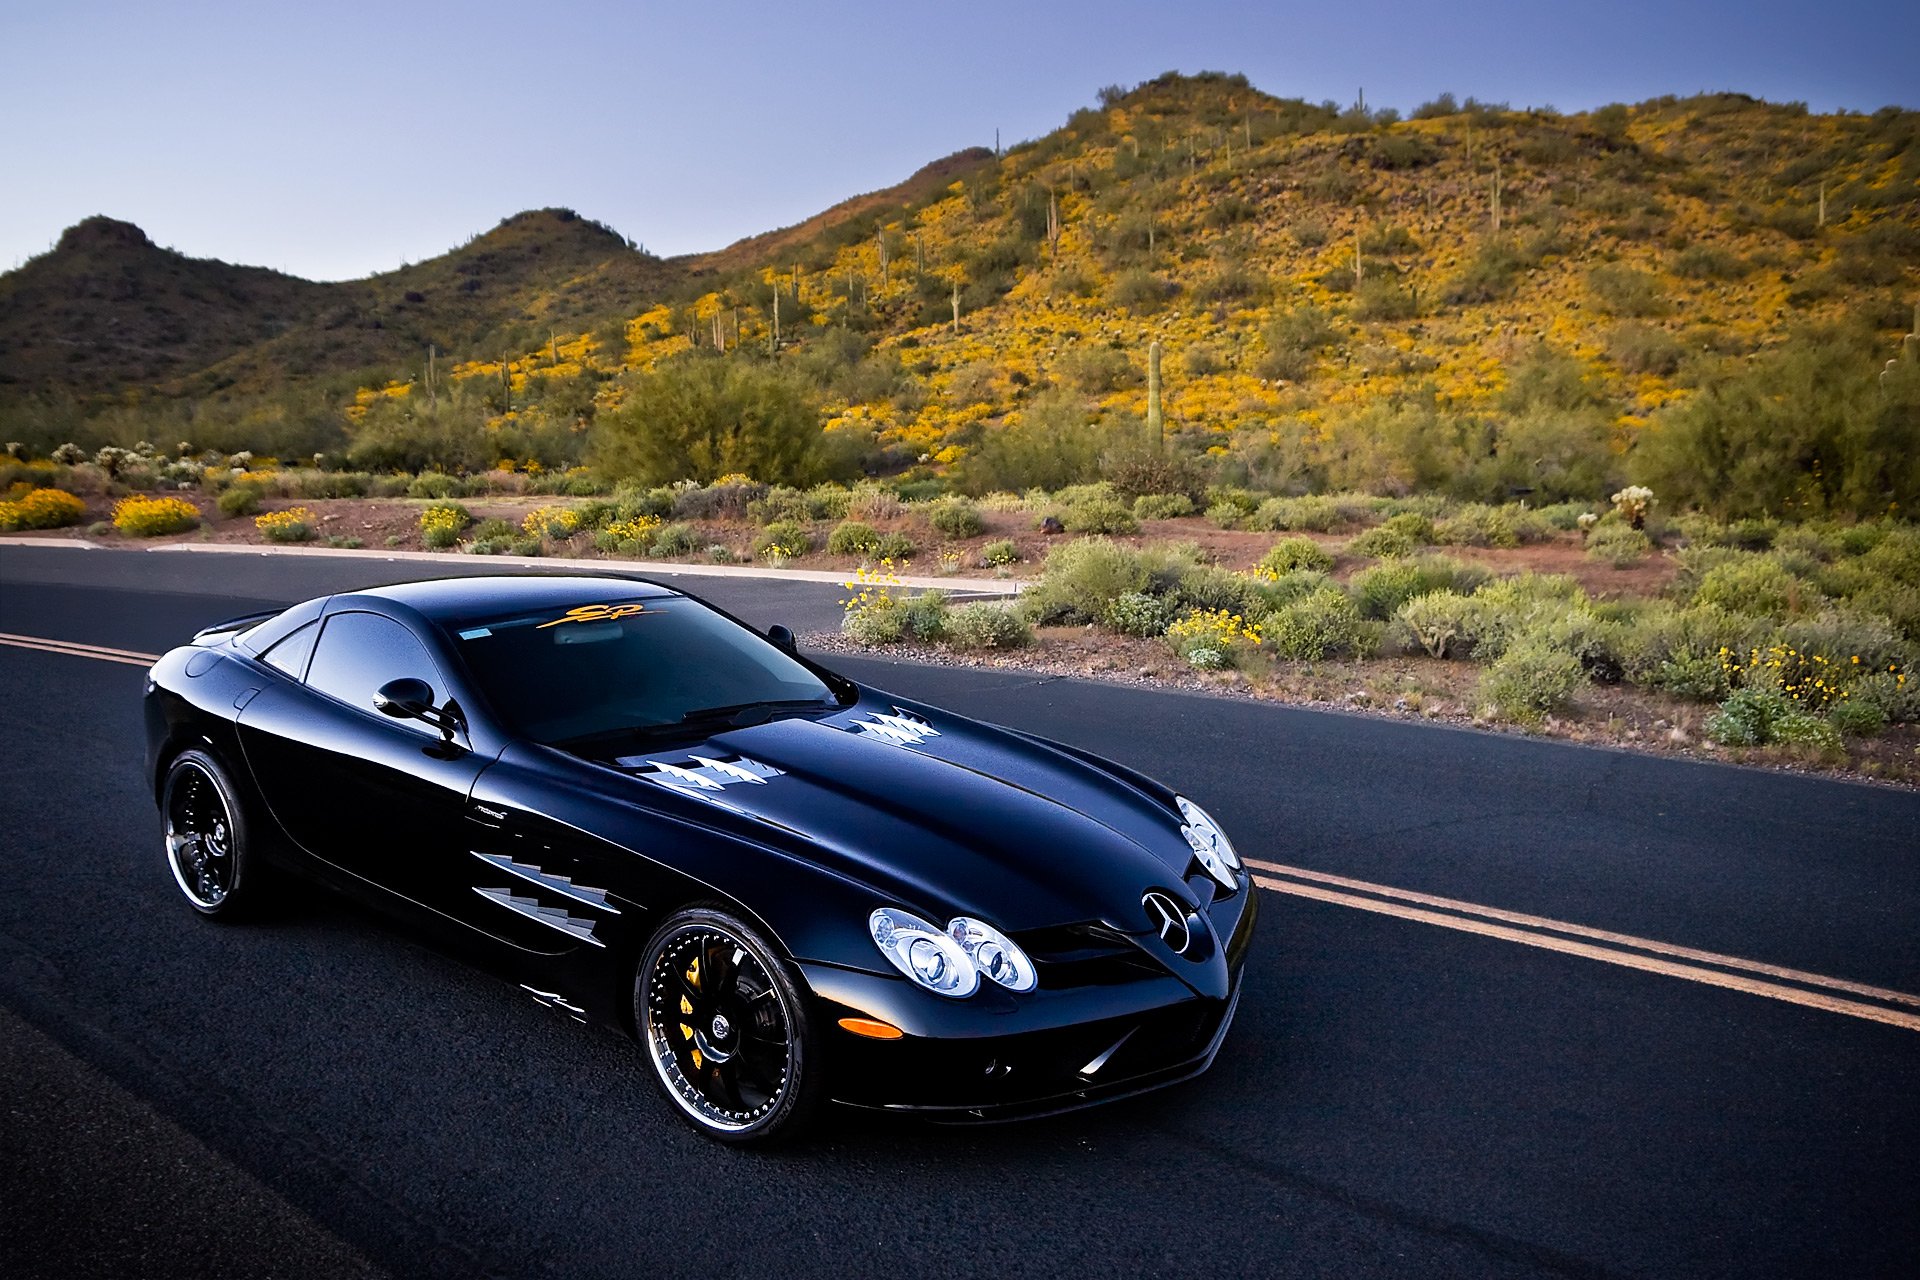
725, 1028
206, 837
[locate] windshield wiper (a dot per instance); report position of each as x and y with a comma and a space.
742, 714
737, 716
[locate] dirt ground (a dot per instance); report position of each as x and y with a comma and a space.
1408, 688
393, 523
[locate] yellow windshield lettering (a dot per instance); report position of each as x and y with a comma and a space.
595, 613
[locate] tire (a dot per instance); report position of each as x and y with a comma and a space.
208, 846
726, 1030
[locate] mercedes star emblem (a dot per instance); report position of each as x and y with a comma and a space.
1168, 918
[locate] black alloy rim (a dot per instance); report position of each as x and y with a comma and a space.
717, 1029
199, 837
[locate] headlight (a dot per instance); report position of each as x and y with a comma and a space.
950, 963
923, 953
1209, 843
993, 953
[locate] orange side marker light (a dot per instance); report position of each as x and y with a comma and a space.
872, 1028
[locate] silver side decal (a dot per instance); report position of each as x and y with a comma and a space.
533, 909
554, 1000
566, 888
699, 775
902, 729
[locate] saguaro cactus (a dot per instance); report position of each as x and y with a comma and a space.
1156, 424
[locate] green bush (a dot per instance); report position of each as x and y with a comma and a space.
1316, 512
1139, 614
1162, 506
780, 505
240, 500
1742, 443
1477, 525
1512, 608
1747, 718
631, 502
674, 540
1857, 717
1290, 554
1099, 515
1268, 594
435, 484
895, 546
1680, 650
1416, 526
1598, 643
987, 626
1757, 585
1442, 624
1620, 545
1530, 680
1381, 543
881, 622
786, 535
1382, 589
955, 518
1000, 553
1209, 588
1809, 732
852, 538
702, 418
495, 530
1081, 578
927, 616
1226, 515
1326, 624
830, 501
1627, 291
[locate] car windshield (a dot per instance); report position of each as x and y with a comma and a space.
604, 673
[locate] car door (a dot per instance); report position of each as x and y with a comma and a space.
379, 797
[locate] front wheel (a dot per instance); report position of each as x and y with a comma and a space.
207, 843
725, 1028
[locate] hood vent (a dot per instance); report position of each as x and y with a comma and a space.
701, 775
902, 728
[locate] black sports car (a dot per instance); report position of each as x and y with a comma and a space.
788, 887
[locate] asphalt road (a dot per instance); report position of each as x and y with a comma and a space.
1397, 1097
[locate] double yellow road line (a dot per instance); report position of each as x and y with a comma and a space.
74, 649
1776, 982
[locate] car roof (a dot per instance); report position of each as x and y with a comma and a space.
443, 598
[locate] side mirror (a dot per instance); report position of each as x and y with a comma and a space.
405, 699
782, 639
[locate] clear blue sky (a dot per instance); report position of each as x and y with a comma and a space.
342, 138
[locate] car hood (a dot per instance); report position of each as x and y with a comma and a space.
947, 816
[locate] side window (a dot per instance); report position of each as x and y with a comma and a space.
290, 654
359, 652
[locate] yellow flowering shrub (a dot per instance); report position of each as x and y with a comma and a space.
142, 517
551, 522
41, 509
1208, 638
295, 524
442, 523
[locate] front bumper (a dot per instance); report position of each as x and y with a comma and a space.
996, 1057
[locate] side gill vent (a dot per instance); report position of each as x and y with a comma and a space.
596, 898
902, 728
533, 909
